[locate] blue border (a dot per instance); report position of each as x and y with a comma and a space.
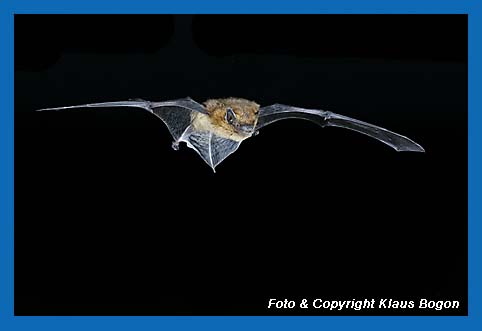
9, 322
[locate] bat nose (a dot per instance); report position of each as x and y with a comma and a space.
246, 128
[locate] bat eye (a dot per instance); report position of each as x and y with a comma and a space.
230, 116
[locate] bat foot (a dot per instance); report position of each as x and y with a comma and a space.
175, 145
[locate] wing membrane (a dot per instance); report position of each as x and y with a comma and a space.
176, 114
274, 113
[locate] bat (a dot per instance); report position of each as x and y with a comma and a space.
216, 128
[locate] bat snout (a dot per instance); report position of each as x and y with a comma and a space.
246, 129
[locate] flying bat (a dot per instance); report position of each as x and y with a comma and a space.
216, 128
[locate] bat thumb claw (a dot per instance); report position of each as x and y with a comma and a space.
175, 145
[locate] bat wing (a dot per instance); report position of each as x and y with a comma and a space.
176, 114
212, 148
276, 112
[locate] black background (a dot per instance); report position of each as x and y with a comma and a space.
109, 220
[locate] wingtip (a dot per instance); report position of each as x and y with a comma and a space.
421, 149
55, 108
42, 109
417, 148
413, 148
408, 145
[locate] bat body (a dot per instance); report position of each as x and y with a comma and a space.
216, 128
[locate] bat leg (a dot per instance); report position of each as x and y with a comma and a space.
255, 133
175, 145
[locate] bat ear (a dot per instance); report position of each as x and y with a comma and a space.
230, 116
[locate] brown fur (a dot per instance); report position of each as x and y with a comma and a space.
246, 111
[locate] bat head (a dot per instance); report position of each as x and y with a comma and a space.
233, 117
